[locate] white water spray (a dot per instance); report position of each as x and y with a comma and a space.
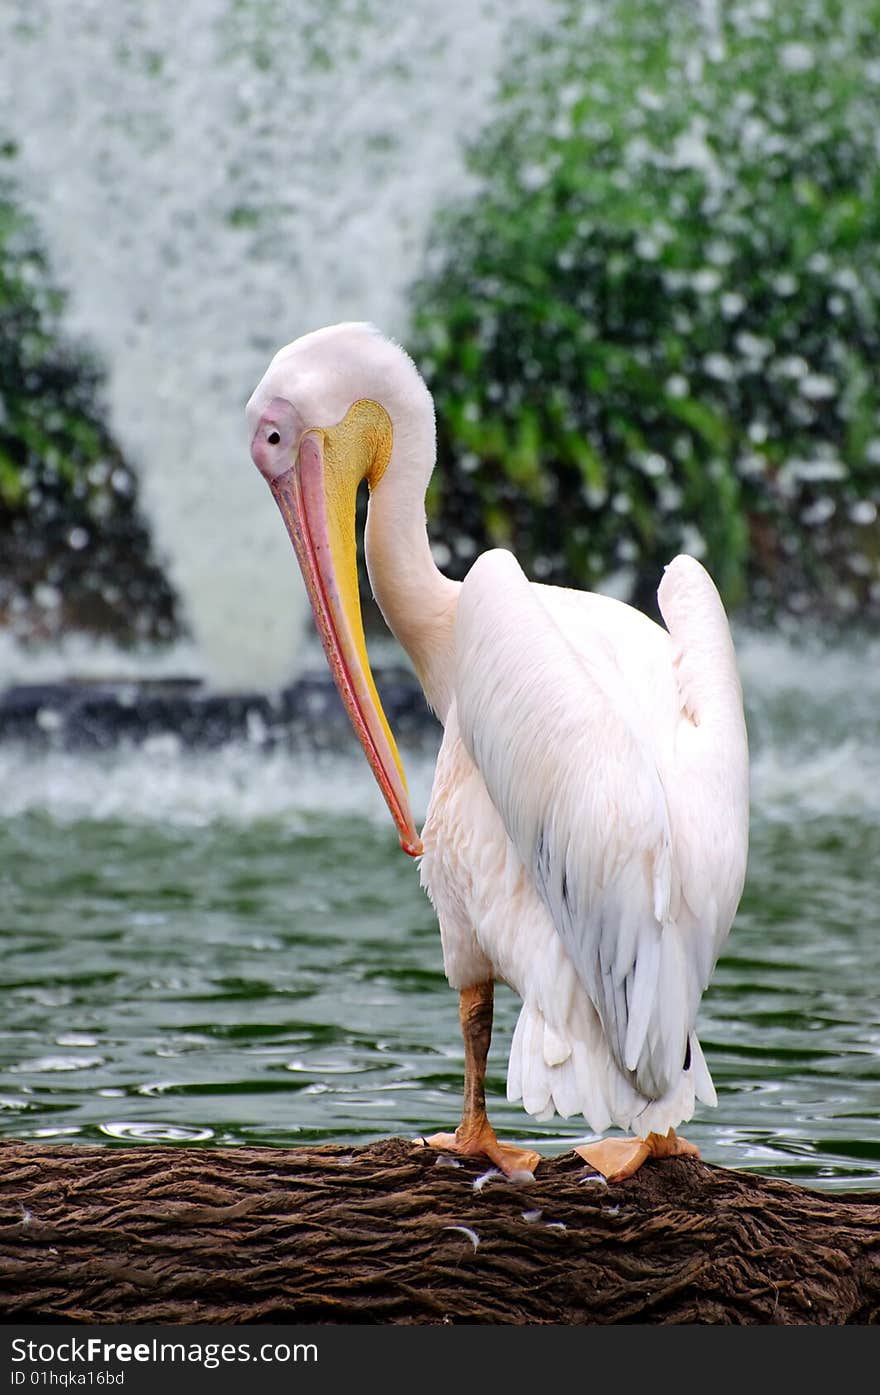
214, 179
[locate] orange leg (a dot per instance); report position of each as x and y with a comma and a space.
475, 1136
618, 1158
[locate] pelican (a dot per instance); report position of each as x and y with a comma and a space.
587, 830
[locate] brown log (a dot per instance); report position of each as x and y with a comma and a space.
395, 1233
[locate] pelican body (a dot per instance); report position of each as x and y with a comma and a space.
587, 831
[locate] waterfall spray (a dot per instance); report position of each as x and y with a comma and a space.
212, 180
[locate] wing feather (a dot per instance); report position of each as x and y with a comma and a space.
709, 794
580, 795
616, 756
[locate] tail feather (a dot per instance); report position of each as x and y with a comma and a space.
567, 1072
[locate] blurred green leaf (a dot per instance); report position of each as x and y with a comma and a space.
68, 499
656, 325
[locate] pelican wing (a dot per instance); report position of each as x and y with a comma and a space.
576, 772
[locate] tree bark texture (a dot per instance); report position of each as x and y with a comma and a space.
396, 1233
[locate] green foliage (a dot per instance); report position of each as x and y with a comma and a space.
73, 548
655, 326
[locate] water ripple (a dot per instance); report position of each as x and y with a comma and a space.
156, 1133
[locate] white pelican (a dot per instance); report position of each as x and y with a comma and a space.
588, 825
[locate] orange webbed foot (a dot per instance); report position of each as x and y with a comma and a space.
518, 1164
619, 1158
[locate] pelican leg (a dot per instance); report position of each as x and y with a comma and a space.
619, 1158
475, 1136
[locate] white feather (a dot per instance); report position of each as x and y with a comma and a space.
466, 1230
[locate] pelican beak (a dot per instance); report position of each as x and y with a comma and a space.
317, 502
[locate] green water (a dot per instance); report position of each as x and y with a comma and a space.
229, 947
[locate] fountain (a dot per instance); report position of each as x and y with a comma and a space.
212, 180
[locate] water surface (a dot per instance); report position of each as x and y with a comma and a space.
229, 947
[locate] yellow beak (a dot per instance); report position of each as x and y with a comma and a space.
317, 502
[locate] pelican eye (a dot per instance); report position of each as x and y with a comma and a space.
274, 438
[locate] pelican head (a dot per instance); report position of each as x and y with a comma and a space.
330, 412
